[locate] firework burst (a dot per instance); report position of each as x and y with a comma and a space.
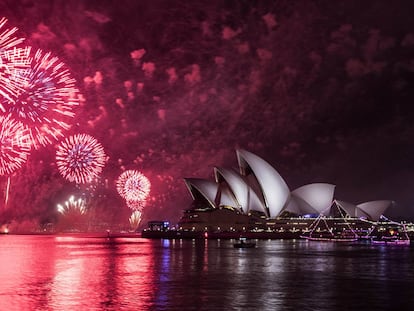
80, 158
7, 39
14, 145
12, 61
133, 186
72, 207
44, 98
136, 205
13, 64
135, 220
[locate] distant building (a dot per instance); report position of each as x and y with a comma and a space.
257, 198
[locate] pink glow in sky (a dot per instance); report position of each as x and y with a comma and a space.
321, 90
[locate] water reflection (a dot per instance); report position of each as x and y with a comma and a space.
99, 273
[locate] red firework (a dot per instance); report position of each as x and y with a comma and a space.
14, 145
80, 158
43, 99
133, 186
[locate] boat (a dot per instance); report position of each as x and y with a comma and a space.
330, 236
324, 230
329, 239
390, 241
244, 243
390, 233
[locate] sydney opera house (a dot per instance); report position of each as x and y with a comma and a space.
256, 198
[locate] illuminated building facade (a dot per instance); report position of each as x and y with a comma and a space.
257, 198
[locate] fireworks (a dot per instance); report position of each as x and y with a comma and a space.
73, 214
43, 96
12, 65
133, 186
135, 219
72, 207
7, 40
12, 61
136, 205
80, 158
36, 89
14, 145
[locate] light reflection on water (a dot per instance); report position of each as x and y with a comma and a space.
97, 273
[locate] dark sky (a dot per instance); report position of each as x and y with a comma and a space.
322, 90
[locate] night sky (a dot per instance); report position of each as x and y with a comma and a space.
322, 90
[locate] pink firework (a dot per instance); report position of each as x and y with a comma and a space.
14, 145
136, 205
7, 39
44, 98
13, 64
133, 186
73, 207
12, 61
80, 158
135, 219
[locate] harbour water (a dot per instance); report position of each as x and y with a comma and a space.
130, 273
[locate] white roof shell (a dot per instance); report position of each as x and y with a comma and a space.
245, 199
274, 189
299, 206
236, 184
375, 208
317, 195
352, 210
225, 197
208, 189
